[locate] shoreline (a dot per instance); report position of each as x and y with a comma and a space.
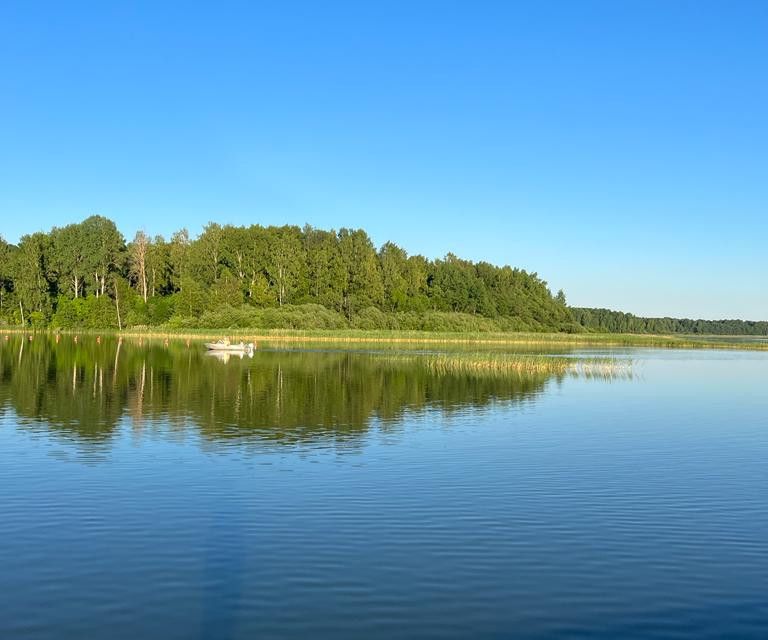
740, 343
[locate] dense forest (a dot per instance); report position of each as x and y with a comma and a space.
86, 275
607, 321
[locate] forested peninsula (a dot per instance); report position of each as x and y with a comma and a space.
85, 275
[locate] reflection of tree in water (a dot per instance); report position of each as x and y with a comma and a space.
85, 388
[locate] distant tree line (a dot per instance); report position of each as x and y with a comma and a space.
607, 321
87, 275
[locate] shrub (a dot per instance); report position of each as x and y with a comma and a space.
160, 309
37, 320
70, 314
373, 318
305, 316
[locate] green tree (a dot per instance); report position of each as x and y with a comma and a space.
191, 300
417, 283
394, 271
138, 253
158, 267
256, 259
363, 286
178, 256
285, 263
326, 274
72, 257
105, 247
207, 253
31, 275
225, 291
6, 273
235, 248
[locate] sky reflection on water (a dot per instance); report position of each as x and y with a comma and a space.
159, 493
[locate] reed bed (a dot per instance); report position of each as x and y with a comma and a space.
517, 365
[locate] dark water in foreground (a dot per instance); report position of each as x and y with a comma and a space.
153, 492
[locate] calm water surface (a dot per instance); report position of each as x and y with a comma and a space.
154, 492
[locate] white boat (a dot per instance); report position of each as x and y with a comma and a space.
225, 346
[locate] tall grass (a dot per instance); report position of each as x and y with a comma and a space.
492, 364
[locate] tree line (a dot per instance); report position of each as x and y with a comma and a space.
607, 321
86, 275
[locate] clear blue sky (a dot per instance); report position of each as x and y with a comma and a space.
619, 149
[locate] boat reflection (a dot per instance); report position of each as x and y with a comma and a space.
225, 356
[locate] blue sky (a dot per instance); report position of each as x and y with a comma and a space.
619, 149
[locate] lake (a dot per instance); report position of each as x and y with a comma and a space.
152, 491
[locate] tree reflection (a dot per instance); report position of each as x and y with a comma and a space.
87, 389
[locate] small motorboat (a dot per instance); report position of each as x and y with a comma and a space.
225, 346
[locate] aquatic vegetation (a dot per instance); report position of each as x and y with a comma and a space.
508, 364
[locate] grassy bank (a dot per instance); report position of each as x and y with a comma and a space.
362, 337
